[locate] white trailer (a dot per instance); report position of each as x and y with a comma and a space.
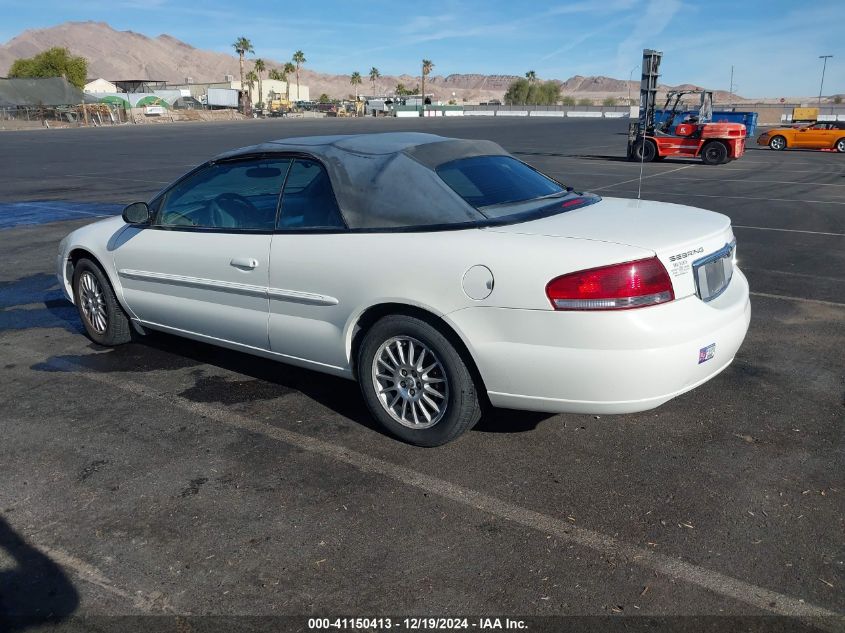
221, 98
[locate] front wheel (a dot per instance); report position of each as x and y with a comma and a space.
840, 145
415, 382
777, 143
102, 316
714, 153
645, 151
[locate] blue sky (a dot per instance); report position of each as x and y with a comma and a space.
774, 45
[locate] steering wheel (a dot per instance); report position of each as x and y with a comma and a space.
230, 210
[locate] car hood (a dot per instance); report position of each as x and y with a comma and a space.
676, 233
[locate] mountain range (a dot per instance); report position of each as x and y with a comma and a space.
117, 55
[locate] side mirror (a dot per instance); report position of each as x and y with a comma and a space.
137, 213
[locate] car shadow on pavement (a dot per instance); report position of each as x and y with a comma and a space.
36, 301
510, 421
35, 591
259, 379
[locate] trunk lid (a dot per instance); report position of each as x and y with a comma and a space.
679, 235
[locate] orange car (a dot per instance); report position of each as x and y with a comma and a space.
817, 136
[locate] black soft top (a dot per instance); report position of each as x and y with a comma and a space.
388, 180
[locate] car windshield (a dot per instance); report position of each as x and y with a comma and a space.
503, 188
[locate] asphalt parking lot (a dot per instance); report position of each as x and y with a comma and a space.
167, 477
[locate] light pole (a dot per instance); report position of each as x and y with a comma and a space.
732, 85
630, 78
824, 66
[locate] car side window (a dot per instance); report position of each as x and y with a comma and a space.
239, 195
308, 201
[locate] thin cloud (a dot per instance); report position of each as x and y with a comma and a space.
657, 15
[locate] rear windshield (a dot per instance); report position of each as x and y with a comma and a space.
486, 182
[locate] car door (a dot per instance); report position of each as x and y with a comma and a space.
811, 137
202, 267
306, 315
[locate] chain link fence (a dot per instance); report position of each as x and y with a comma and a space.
81, 115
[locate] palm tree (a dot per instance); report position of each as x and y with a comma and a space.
400, 89
298, 59
251, 78
374, 74
287, 69
531, 76
275, 75
427, 67
355, 80
259, 67
242, 46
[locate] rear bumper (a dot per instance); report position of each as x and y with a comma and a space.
593, 362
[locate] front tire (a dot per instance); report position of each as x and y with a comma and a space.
645, 151
777, 143
714, 153
102, 316
415, 382
840, 146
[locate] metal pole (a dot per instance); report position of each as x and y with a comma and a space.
824, 66
732, 85
630, 78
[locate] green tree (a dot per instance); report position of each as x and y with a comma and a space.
259, 67
374, 74
355, 80
287, 69
54, 62
242, 46
567, 100
298, 59
427, 67
585, 102
531, 76
837, 99
524, 92
608, 102
517, 92
400, 90
275, 74
251, 78
324, 98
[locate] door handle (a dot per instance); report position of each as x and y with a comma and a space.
244, 262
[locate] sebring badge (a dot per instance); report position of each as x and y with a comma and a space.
706, 353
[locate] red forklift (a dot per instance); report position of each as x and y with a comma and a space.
695, 137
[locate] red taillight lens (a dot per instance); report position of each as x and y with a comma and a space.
638, 284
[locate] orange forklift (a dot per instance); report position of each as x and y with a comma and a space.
696, 137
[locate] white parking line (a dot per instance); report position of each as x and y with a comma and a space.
715, 582
767, 228
94, 576
707, 195
777, 182
800, 299
118, 178
662, 173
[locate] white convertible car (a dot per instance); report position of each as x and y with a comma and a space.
440, 273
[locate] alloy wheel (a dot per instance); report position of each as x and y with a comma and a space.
410, 382
92, 303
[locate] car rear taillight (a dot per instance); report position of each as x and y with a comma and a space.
637, 284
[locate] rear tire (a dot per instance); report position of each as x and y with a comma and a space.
714, 153
840, 145
648, 148
102, 316
777, 143
435, 400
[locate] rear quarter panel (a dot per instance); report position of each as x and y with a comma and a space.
426, 270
